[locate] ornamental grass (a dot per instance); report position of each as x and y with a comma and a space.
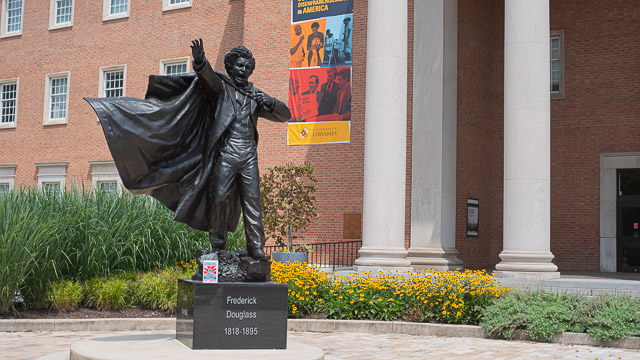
448, 297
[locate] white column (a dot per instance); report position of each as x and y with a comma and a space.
385, 138
433, 187
526, 228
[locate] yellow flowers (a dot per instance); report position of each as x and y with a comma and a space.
450, 297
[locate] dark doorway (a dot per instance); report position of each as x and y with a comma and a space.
628, 220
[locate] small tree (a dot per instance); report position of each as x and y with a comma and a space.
287, 196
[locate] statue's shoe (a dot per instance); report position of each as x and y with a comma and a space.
258, 254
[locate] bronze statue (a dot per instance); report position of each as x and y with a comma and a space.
192, 144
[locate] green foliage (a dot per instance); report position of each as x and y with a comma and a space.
287, 196
48, 235
158, 289
543, 314
109, 293
65, 295
610, 318
237, 240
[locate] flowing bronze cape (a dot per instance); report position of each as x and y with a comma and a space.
164, 146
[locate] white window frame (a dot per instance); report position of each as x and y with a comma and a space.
559, 34
8, 175
176, 61
104, 171
4, 15
106, 69
53, 15
106, 11
52, 172
46, 120
167, 6
15, 121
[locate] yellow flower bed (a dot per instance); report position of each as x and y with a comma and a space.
450, 297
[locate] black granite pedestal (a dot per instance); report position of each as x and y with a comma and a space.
232, 315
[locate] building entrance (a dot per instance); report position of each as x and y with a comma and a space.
628, 220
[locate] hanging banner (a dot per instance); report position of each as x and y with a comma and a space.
320, 71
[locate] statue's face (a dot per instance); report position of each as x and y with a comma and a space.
241, 71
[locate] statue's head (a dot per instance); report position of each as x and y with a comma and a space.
239, 63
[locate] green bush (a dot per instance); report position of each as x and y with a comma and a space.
543, 314
157, 290
78, 235
109, 293
65, 295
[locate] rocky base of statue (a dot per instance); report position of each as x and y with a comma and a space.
234, 266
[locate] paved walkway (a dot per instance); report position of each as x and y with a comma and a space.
344, 346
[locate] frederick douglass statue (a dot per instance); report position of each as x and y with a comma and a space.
192, 144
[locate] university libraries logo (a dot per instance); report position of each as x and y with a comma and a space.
210, 271
304, 133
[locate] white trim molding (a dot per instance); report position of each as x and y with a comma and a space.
8, 175
4, 15
168, 6
609, 165
176, 61
46, 116
104, 171
106, 11
52, 173
16, 81
53, 13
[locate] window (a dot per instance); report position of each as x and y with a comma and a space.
557, 64
7, 176
104, 176
61, 14
173, 67
56, 99
113, 80
168, 5
115, 9
11, 18
8, 103
52, 176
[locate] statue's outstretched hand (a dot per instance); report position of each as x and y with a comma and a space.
264, 99
197, 50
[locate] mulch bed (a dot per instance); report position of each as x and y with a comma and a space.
86, 314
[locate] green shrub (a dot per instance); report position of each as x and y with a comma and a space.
609, 317
543, 314
65, 295
78, 235
158, 289
109, 293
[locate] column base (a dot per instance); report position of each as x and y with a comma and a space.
527, 275
434, 258
526, 265
382, 259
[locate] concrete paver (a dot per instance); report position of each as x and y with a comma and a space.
344, 346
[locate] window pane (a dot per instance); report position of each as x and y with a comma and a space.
58, 93
555, 87
178, 1
118, 7
4, 187
108, 186
8, 103
113, 83
14, 15
175, 69
629, 182
51, 187
63, 11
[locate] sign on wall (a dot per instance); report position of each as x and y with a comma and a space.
320, 57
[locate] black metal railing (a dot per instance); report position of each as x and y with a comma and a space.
333, 255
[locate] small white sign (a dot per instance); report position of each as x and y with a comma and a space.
210, 271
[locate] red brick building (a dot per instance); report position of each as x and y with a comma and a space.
462, 63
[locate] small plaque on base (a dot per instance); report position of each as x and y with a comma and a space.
232, 315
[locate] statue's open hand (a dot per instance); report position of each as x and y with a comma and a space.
264, 99
197, 50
